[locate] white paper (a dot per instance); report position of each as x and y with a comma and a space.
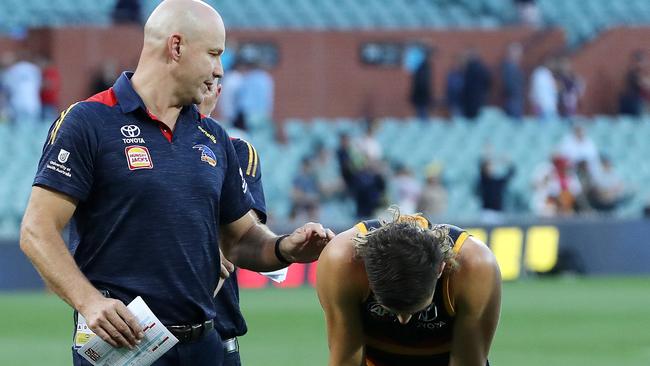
276, 276
157, 340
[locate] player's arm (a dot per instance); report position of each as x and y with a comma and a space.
478, 302
249, 244
340, 292
47, 214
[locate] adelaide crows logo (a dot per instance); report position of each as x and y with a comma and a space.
207, 154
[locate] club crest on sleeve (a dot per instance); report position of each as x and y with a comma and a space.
63, 156
207, 155
138, 157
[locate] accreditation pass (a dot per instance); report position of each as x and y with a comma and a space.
157, 340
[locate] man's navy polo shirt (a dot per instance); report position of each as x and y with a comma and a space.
149, 202
229, 321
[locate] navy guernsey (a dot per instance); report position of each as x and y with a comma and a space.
150, 201
229, 321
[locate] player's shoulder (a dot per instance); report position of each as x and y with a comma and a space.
241, 144
475, 253
476, 262
340, 252
339, 269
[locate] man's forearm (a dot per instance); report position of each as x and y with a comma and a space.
53, 261
256, 250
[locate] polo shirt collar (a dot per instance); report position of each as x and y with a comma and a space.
130, 101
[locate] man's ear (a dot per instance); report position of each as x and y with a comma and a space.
174, 46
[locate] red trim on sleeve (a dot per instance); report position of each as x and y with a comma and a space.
107, 97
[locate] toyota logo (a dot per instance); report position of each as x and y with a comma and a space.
130, 131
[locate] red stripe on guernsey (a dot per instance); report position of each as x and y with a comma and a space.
107, 97
202, 115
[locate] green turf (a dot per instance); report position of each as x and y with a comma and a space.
555, 322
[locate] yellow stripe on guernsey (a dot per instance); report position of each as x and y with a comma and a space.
255, 162
58, 124
449, 304
250, 158
363, 230
460, 241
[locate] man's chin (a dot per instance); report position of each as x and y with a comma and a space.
198, 99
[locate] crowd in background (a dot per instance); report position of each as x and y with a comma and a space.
577, 179
30, 86
552, 89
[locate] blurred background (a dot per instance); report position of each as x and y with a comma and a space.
525, 121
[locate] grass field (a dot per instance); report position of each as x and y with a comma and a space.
552, 322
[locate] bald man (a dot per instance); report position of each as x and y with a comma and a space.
152, 189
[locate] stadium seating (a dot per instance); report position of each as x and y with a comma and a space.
582, 20
405, 141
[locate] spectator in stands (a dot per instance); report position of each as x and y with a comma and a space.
256, 94
127, 11
637, 85
495, 173
433, 200
571, 88
6, 59
542, 203
50, 89
418, 64
104, 77
583, 200
556, 187
327, 174
407, 189
344, 155
543, 91
576, 146
454, 88
512, 78
476, 85
229, 104
367, 144
369, 189
609, 190
528, 13
22, 82
305, 193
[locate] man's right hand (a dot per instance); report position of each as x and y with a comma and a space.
112, 321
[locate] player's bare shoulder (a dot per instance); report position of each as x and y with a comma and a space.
476, 278
476, 256
338, 261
